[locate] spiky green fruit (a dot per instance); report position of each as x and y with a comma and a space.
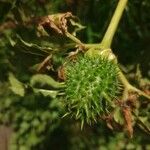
91, 87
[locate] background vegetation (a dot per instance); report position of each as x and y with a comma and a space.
28, 103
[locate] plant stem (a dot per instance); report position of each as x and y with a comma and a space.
108, 37
128, 87
123, 80
73, 38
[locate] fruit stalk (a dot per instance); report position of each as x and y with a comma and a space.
109, 34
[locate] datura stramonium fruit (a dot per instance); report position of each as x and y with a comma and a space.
91, 87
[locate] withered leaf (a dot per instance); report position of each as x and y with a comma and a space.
59, 23
61, 73
109, 121
44, 64
128, 119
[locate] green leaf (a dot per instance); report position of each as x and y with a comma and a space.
45, 80
118, 117
45, 93
77, 26
33, 45
16, 86
24, 127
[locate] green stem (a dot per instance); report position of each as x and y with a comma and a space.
124, 80
73, 38
108, 37
128, 87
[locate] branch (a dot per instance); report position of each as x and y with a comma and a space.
129, 88
73, 38
108, 37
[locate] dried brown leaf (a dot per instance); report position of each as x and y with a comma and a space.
44, 64
109, 121
128, 119
56, 23
61, 73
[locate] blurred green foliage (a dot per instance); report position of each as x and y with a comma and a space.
30, 107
